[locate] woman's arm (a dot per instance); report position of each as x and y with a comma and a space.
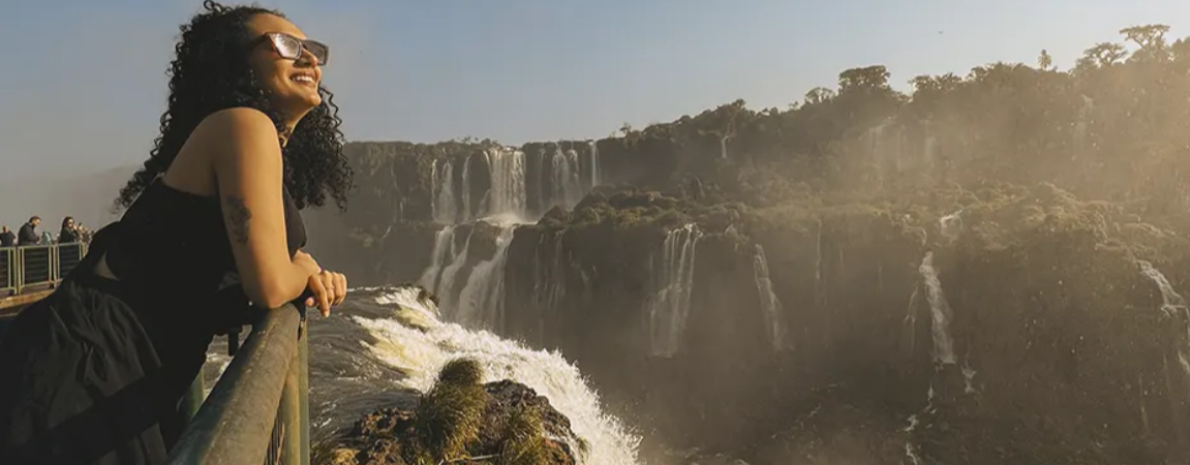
246, 158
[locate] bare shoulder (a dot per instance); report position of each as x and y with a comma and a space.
235, 133
235, 123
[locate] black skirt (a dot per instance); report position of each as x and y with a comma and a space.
82, 382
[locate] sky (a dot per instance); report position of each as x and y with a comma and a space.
83, 82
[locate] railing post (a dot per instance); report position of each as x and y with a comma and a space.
55, 264
292, 413
288, 418
303, 367
20, 270
192, 401
257, 393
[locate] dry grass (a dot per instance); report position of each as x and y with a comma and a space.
450, 415
524, 440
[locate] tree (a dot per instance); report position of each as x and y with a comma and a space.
1045, 61
1102, 55
1151, 41
868, 78
819, 95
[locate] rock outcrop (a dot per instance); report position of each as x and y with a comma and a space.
459, 420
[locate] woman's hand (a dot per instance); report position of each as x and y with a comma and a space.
307, 262
329, 289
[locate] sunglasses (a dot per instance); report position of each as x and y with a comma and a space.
290, 47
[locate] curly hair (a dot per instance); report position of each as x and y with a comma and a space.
211, 72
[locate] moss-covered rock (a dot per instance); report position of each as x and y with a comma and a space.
500, 423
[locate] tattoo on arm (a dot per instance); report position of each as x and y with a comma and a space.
237, 217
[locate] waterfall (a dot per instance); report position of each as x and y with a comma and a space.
1172, 305
450, 274
549, 280
669, 306
443, 253
444, 206
595, 178
420, 352
507, 195
940, 310
453, 202
481, 303
564, 178
770, 306
951, 225
466, 194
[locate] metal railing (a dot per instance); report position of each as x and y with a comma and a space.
37, 266
258, 412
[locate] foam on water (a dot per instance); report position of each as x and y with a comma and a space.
419, 344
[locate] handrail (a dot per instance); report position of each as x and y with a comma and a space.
37, 266
8, 271
258, 409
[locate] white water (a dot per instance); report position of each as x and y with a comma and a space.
507, 170
450, 275
466, 191
420, 353
564, 177
669, 306
770, 305
1172, 305
595, 175
445, 206
481, 303
940, 311
444, 252
951, 226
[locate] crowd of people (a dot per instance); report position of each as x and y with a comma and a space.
28, 234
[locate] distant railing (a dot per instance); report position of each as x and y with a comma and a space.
37, 266
258, 412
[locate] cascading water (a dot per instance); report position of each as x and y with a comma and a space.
466, 191
481, 303
770, 305
595, 178
940, 312
444, 252
564, 178
507, 169
450, 275
420, 347
1173, 305
951, 225
669, 306
444, 206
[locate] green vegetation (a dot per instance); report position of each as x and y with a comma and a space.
450, 415
524, 442
452, 423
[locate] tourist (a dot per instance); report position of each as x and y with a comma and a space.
7, 238
94, 372
68, 234
28, 232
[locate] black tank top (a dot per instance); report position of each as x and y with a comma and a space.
172, 256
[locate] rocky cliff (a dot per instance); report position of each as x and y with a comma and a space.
985, 271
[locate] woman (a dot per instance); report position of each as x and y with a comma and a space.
67, 234
94, 372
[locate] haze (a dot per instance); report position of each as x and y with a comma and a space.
83, 85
